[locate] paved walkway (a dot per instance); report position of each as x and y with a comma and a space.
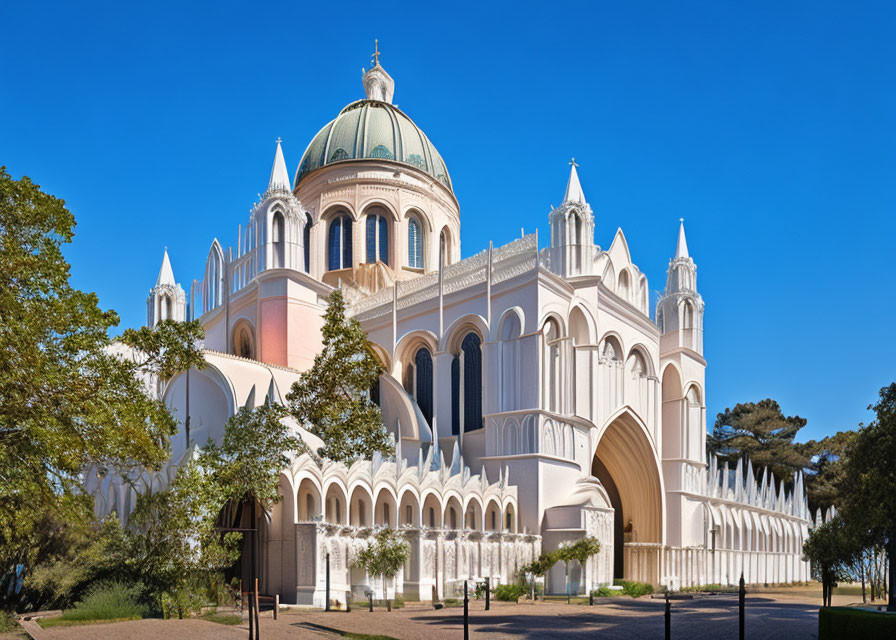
770, 617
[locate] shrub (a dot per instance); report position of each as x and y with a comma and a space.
604, 592
398, 601
856, 624
508, 592
108, 601
635, 589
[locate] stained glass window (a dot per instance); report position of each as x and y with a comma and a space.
339, 243
377, 238
380, 151
339, 154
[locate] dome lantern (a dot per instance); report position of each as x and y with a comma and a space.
378, 85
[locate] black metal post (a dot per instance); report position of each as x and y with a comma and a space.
668, 617
251, 615
590, 598
741, 597
370, 601
466, 613
327, 605
488, 593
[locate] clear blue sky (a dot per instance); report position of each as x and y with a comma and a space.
771, 128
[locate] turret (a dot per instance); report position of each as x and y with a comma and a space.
679, 312
572, 231
167, 300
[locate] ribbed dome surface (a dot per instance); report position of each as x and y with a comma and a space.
373, 129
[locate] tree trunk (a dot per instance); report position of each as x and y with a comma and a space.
891, 587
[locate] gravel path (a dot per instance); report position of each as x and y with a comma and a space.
770, 617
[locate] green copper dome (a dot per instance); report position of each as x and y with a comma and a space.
373, 129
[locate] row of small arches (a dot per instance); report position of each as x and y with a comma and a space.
361, 509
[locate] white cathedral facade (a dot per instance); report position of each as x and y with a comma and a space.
532, 397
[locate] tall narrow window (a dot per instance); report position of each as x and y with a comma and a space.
339, 243
278, 229
470, 371
306, 238
423, 387
455, 395
377, 238
415, 244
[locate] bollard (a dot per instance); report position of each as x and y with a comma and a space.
590, 598
488, 593
257, 613
327, 605
370, 601
466, 613
668, 617
276, 605
741, 596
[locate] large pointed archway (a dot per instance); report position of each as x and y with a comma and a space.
625, 462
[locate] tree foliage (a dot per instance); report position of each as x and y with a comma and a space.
69, 396
761, 432
826, 460
831, 548
333, 397
868, 481
385, 556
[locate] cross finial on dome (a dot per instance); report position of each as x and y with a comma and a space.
378, 85
376, 52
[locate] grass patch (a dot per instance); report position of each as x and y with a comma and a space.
222, 618
49, 623
346, 634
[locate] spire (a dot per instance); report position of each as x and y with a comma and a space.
378, 85
279, 175
166, 274
681, 249
574, 191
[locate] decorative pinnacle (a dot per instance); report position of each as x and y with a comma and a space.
376, 52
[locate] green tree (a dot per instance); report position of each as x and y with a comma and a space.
761, 432
384, 557
333, 397
831, 550
825, 467
583, 550
68, 397
566, 554
868, 482
539, 567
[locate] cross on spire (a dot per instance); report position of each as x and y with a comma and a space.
278, 140
573, 163
376, 52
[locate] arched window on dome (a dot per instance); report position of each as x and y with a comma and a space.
466, 385
423, 382
278, 238
377, 237
339, 154
307, 242
415, 243
339, 243
380, 151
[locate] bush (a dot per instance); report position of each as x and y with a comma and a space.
398, 601
508, 592
108, 601
856, 624
604, 592
635, 589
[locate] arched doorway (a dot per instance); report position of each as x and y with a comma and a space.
626, 464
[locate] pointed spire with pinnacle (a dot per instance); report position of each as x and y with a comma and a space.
378, 85
574, 191
279, 175
166, 274
681, 249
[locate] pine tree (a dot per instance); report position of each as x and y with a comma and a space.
332, 399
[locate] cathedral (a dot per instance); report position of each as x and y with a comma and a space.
534, 395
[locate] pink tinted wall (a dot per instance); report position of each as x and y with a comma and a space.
272, 331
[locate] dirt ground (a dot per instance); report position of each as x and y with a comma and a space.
786, 614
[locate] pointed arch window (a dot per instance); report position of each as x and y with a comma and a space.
377, 238
415, 244
339, 243
306, 239
466, 385
423, 382
278, 233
